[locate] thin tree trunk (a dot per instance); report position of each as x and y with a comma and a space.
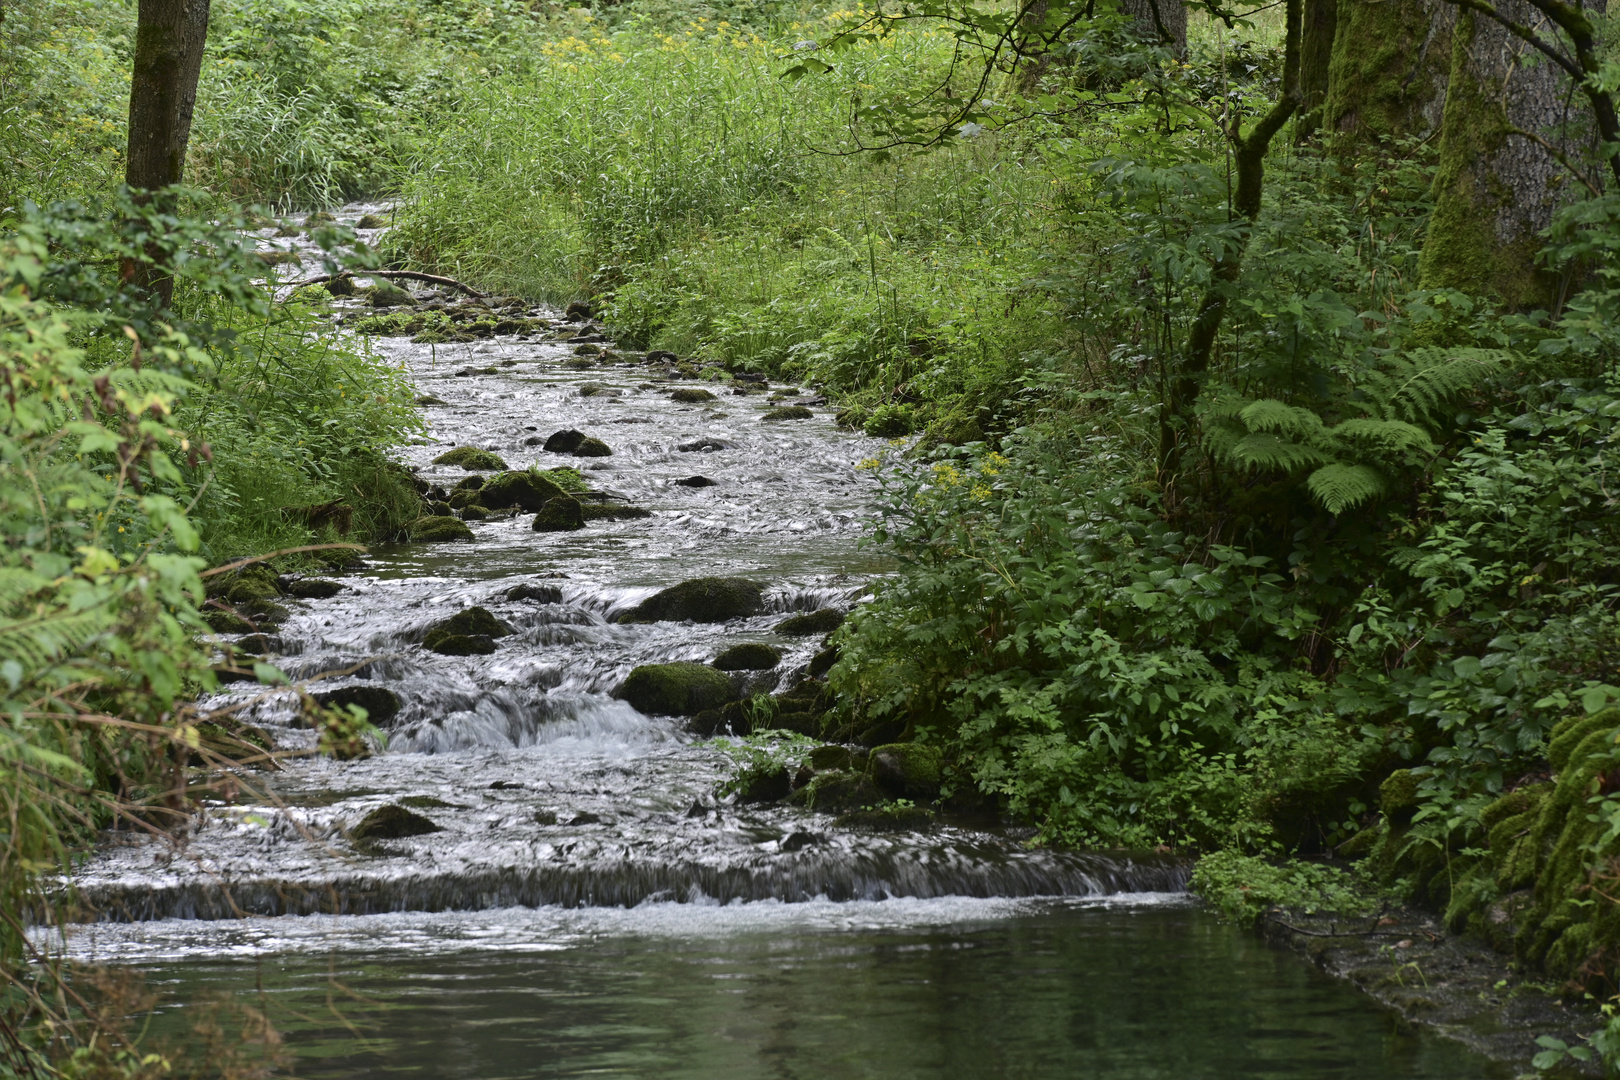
169, 40
1249, 164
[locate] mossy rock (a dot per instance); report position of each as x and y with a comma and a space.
264, 611
562, 514
526, 489
1398, 794
439, 529
593, 448
391, 822
429, 399
248, 589
838, 792
342, 285
234, 740
691, 395
474, 482
821, 621
314, 588
473, 620
545, 594
472, 459
614, 512
474, 513
679, 689
800, 722
748, 656
822, 662
887, 818
460, 500
587, 349
907, 770
769, 784
890, 422
385, 293
834, 758
564, 442
788, 412
223, 621
371, 221
381, 704
319, 217
459, 644
704, 600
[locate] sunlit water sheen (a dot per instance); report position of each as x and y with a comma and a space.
653, 929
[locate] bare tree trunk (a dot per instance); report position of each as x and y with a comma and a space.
169, 40
1508, 117
1387, 76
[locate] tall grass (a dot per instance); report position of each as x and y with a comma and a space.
680, 180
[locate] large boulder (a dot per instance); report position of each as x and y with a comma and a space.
562, 514
527, 490
681, 689
704, 600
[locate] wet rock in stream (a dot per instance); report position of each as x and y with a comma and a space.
824, 621
562, 514
680, 689
704, 600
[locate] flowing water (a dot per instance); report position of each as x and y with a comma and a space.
589, 905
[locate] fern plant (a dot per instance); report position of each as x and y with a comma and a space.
1357, 460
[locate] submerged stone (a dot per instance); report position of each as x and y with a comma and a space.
788, 412
460, 644
748, 656
680, 689
614, 512
391, 822
691, 395
695, 482
887, 818
821, 621
473, 620
438, 529
704, 600
562, 514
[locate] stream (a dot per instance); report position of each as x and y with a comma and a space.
589, 904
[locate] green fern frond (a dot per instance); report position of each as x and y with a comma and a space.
1383, 439
1422, 385
1263, 450
1271, 415
1340, 487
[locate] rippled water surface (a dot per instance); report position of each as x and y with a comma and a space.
589, 905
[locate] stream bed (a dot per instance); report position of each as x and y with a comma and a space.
587, 904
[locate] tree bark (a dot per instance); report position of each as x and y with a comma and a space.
1387, 75
1163, 20
169, 40
1319, 26
1496, 190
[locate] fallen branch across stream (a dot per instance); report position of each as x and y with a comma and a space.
409, 274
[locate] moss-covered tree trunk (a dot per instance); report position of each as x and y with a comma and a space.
1317, 31
1387, 75
1495, 190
